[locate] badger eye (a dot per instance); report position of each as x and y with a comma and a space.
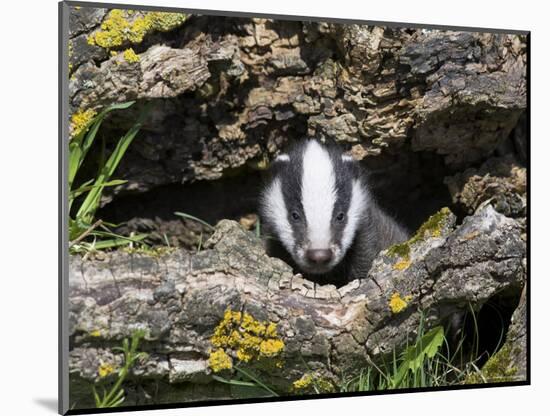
340, 216
295, 216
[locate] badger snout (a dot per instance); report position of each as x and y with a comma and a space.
319, 256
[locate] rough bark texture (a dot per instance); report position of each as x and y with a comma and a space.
437, 116
233, 91
180, 299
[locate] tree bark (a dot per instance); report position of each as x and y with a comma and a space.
179, 299
233, 91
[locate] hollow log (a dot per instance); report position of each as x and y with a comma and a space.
179, 299
429, 112
233, 91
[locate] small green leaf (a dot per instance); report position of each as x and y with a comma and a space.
190, 217
415, 355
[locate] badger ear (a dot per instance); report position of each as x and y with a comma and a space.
347, 158
283, 157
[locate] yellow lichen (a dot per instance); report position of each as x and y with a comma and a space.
313, 382
324, 385
247, 338
95, 333
397, 303
219, 361
105, 369
117, 29
303, 382
131, 56
271, 347
402, 264
80, 121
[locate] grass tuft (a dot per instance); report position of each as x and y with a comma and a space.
85, 232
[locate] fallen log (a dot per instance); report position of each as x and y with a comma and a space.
287, 326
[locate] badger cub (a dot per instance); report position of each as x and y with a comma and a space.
320, 217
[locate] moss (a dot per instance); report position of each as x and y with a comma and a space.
431, 228
247, 338
499, 368
80, 121
116, 30
397, 303
155, 252
400, 250
131, 56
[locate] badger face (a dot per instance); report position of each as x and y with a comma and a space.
314, 205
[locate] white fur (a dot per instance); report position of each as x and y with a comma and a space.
318, 194
355, 212
282, 158
275, 208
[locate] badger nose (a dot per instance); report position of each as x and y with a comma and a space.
319, 256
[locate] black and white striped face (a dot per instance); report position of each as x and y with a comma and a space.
314, 204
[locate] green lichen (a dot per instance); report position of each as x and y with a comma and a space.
155, 252
499, 368
120, 28
431, 228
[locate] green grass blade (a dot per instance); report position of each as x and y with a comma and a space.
257, 381
85, 187
91, 203
190, 217
233, 382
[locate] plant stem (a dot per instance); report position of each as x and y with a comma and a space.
85, 233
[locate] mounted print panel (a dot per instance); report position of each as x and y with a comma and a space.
264, 208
